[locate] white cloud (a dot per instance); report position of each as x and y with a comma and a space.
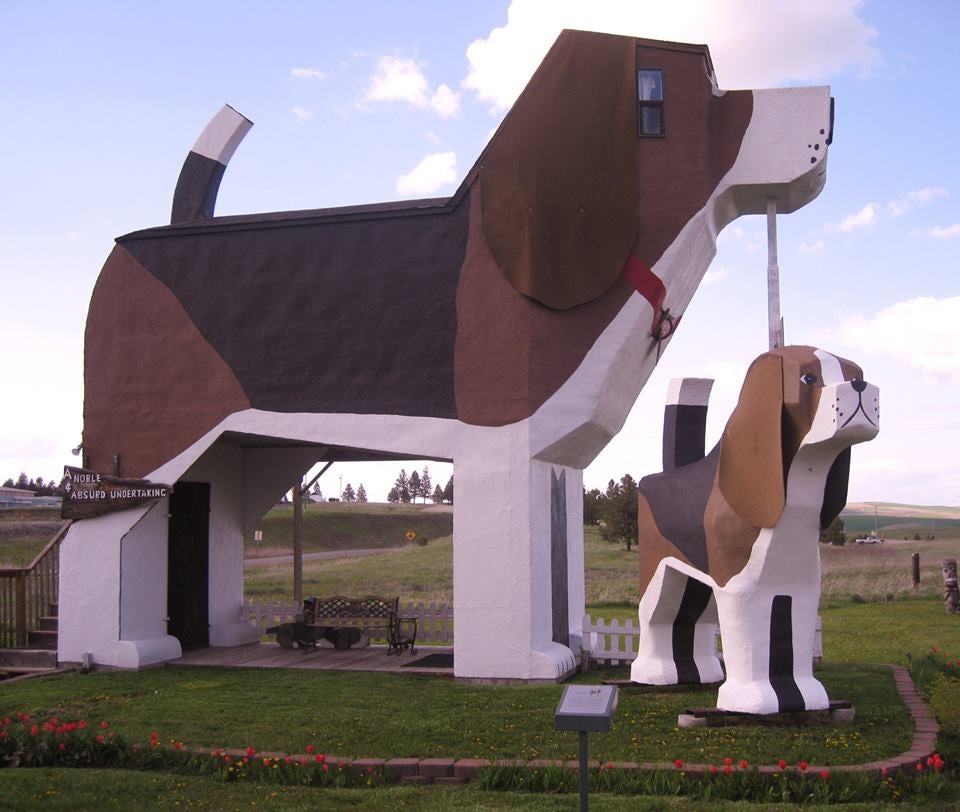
915, 199
437, 170
301, 114
940, 232
814, 247
445, 102
923, 333
307, 73
402, 80
861, 219
754, 43
398, 80
715, 276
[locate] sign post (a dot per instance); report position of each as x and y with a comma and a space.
586, 708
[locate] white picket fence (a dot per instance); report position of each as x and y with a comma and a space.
614, 643
434, 621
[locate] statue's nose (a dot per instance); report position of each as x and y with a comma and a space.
858, 385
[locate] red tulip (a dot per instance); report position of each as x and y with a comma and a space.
678, 763
782, 764
825, 774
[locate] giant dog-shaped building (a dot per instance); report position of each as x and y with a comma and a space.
235, 352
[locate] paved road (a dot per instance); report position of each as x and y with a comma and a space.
250, 563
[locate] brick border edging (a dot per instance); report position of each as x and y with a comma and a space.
460, 771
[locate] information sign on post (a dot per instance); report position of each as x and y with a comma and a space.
586, 709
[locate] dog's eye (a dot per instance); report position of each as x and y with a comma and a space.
809, 378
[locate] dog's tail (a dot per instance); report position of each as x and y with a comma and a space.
685, 421
196, 193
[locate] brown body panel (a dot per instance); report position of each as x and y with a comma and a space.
139, 404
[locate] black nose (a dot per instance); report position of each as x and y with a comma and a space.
858, 386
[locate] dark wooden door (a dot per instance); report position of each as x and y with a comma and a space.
188, 564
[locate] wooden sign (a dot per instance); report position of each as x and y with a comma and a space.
88, 493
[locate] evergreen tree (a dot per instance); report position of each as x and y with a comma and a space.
619, 512
437, 495
361, 493
414, 485
834, 534
348, 494
426, 484
448, 490
403, 486
592, 505
394, 495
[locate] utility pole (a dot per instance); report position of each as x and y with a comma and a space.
299, 491
298, 542
775, 320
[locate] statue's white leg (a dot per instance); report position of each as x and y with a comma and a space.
678, 624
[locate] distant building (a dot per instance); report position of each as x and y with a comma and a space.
16, 496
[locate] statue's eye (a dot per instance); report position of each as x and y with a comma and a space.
809, 378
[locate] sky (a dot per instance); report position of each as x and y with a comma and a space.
369, 101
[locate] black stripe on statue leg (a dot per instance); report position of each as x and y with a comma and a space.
695, 598
782, 677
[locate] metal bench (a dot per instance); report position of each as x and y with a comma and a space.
343, 621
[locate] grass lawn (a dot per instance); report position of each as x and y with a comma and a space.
53, 790
385, 715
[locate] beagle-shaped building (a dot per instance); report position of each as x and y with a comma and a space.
732, 538
227, 355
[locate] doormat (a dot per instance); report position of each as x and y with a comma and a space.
439, 659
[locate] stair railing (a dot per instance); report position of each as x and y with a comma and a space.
26, 593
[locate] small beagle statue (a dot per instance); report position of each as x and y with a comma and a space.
731, 538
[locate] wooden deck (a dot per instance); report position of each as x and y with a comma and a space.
270, 655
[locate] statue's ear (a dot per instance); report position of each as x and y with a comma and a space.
751, 476
560, 180
835, 490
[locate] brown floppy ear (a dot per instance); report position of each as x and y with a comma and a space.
559, 181
751, 476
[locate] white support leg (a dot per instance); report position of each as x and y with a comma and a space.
504, 587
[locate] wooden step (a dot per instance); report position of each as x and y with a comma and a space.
19, 658
48, 623
20, 670
42, 639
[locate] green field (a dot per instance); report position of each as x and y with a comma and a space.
870, 616
349, 526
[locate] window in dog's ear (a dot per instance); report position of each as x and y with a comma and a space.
650, 118
751, 475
